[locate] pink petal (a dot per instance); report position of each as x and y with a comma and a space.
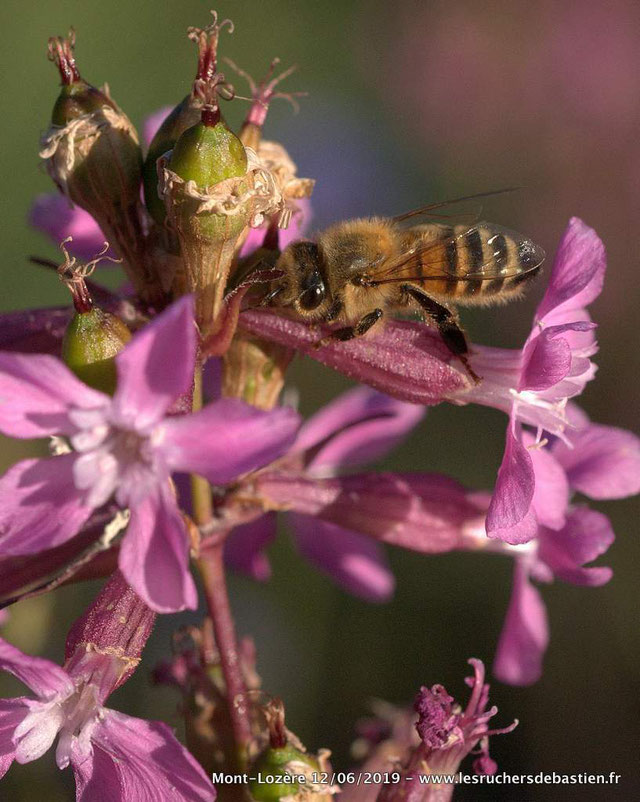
228, 438
149, 761
586, 536
55, 216
157, 365
12, 713
34, 331
525, 634
578, 270
244, 548
37, 391
358, 427
546, 360
297, 227
154, 556
43, 677
407, 360
37, 731
510, 517
355, 562
603, 462
40, 506
96, 776
551, 494
423, 512
153, 122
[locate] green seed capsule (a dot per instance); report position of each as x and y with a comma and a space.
275, 762
76, 99
91, 341
208, 154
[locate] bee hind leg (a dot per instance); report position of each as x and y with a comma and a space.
451, 333
350, 332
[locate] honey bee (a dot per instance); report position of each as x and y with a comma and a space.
357, 271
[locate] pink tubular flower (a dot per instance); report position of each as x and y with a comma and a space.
339, 519
358, 427
126, 447
603, 463
410, 362
533, 385
113, 756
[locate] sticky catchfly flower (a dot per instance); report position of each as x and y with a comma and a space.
340, 518
126, 447
113, 756
358, 427
533, 385
602, 462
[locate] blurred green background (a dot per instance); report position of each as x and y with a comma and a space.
408, 103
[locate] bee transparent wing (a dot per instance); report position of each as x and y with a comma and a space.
482, 252
466, 209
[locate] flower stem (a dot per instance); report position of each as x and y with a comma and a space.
211, 567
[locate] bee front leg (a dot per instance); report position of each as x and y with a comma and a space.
451, 333
349, 332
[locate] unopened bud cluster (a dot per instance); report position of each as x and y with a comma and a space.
178, 217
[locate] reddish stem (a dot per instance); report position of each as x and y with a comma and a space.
215, 588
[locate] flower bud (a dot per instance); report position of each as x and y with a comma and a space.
184, 115
276, 762
92, 153
93, 337
285, 755
90, 343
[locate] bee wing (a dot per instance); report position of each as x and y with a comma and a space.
466, 209
433, 263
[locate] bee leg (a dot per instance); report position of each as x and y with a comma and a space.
349, 332
334, 311
267, 300
451, 333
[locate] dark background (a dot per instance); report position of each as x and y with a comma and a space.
409, 102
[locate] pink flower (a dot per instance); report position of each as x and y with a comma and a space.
338, 518
153, 122
410, 362
603, 463
358, 427
534, 384
126, 447
406, 360
113, 756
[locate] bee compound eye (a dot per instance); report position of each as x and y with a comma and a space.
312, 291
312, 297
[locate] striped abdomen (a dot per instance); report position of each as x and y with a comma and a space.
469, 264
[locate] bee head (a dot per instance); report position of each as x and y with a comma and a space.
303, 283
